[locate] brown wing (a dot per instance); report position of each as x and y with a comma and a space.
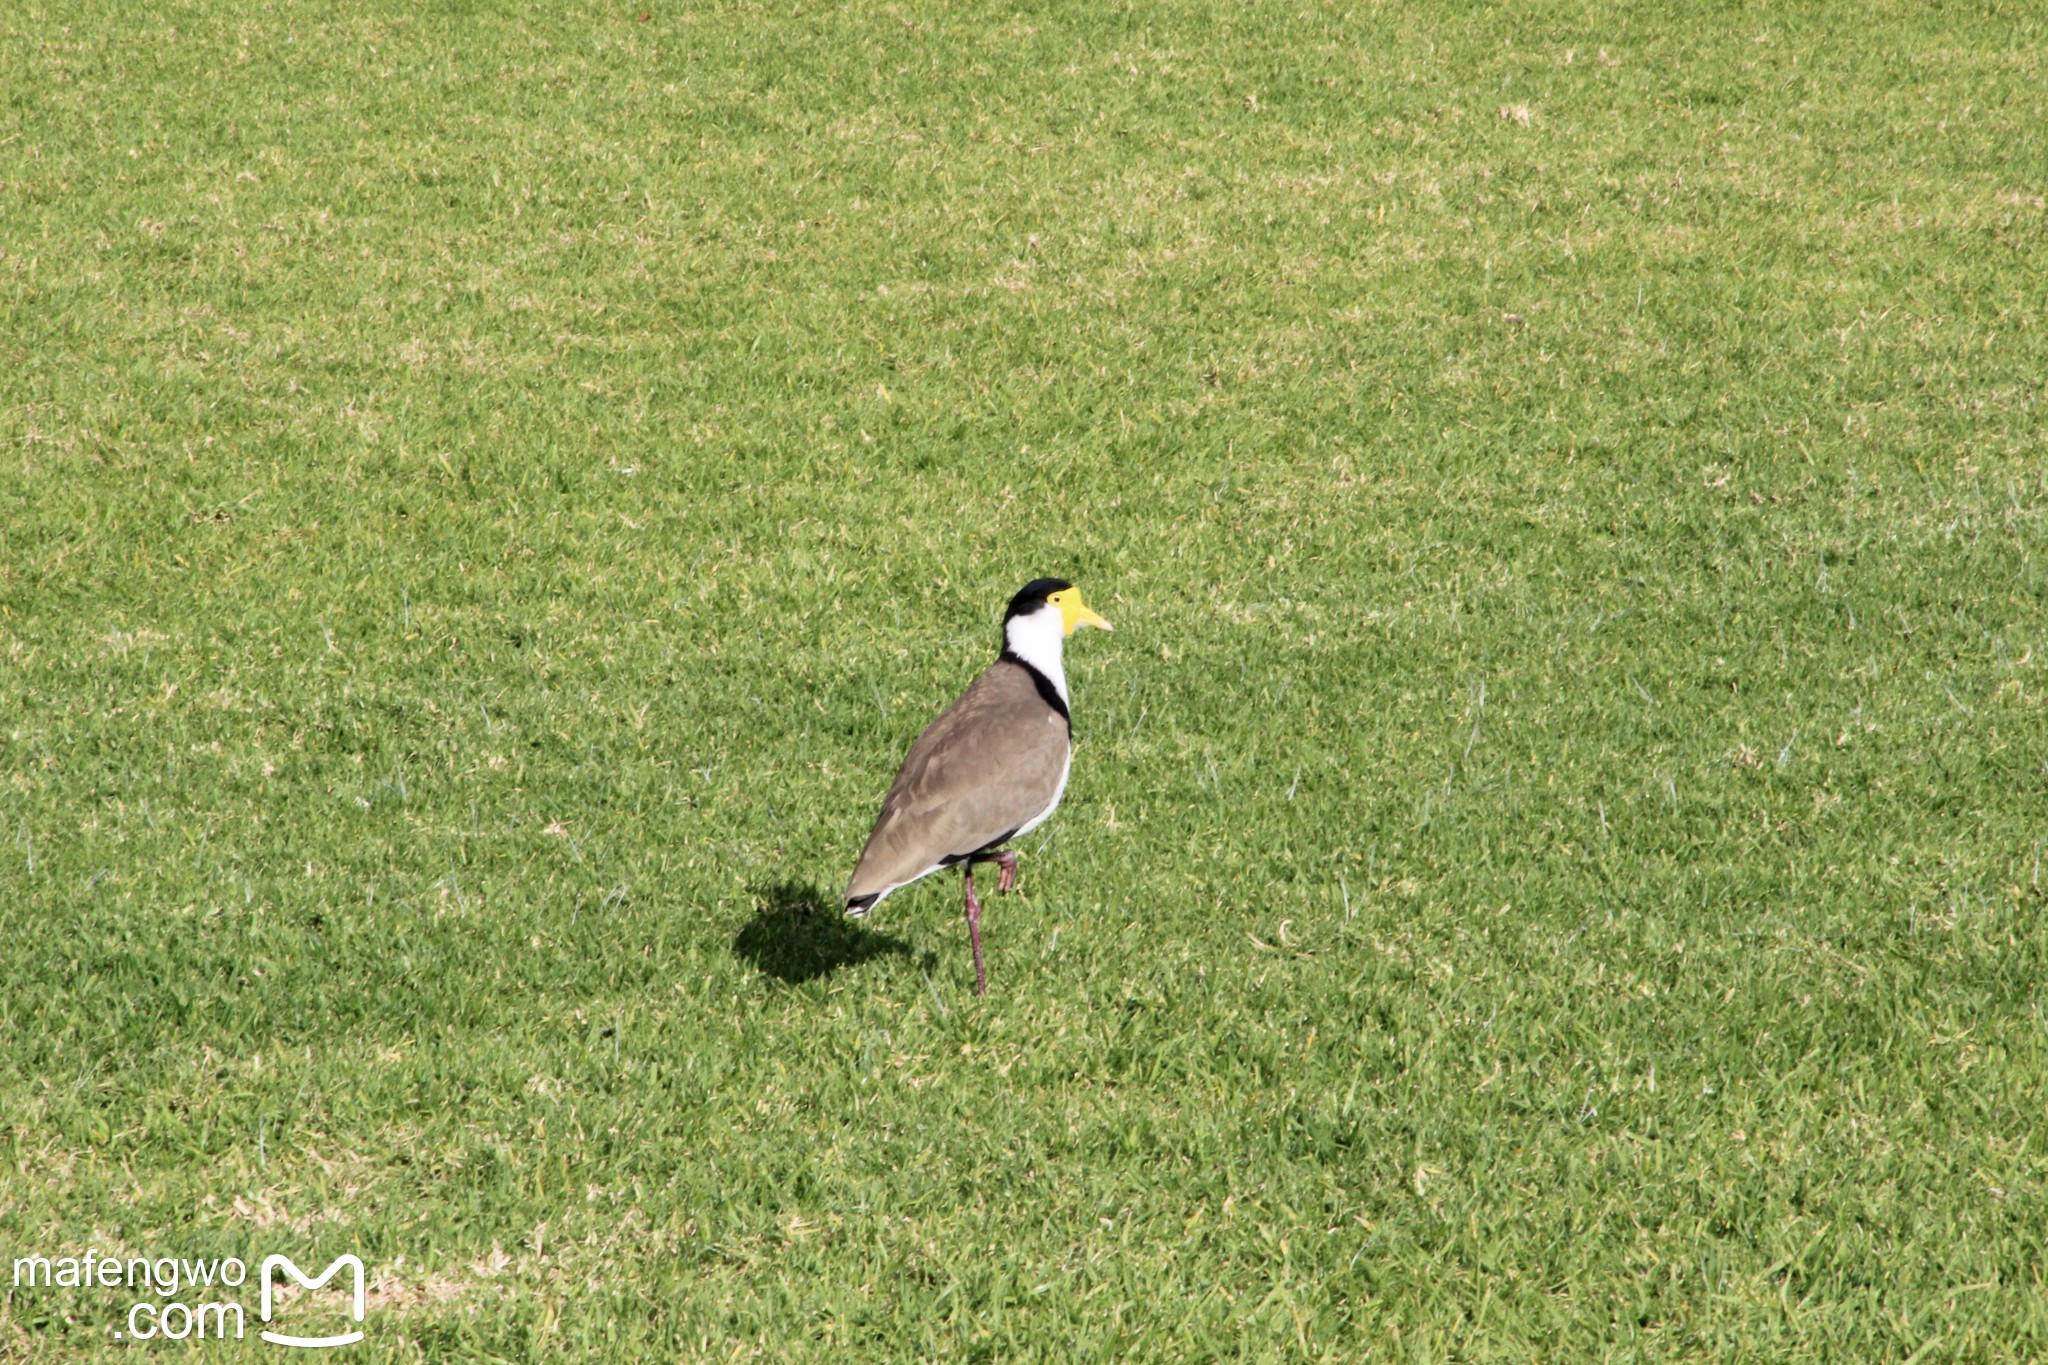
991, 763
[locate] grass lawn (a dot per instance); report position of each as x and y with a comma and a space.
1552, 868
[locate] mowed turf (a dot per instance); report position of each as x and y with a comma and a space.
1552, 867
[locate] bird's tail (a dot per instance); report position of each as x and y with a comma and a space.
857, 907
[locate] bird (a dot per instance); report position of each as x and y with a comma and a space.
990, 768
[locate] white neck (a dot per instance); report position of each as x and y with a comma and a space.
1039, 639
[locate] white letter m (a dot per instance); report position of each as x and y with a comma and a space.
284, 1263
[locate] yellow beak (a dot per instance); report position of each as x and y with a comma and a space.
1076, 613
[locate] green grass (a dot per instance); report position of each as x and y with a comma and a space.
1552, 865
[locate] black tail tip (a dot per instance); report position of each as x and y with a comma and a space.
857, 907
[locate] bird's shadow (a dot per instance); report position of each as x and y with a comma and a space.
796, 935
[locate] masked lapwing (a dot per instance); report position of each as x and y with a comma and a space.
989, 769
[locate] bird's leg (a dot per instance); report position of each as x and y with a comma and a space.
974, 930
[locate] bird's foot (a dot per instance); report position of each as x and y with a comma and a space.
1007, 862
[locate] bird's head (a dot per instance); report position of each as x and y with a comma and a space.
1048, 599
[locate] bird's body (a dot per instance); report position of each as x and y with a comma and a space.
991, 767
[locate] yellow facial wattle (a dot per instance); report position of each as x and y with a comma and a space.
1074, 613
